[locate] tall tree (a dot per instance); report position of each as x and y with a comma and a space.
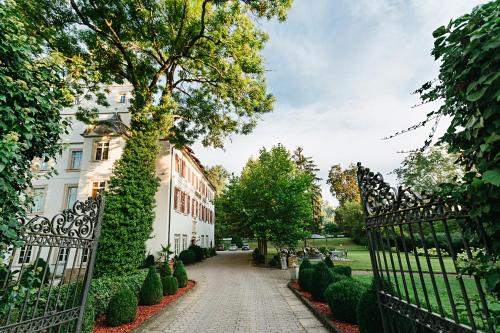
219, 177
426, 170
196, 71
306, 164
343, 183
34, 87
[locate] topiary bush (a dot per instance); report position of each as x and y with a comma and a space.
180, 274
170, 285
149, 261
122, 308
305, 278
343, 298
343, 270
329, 262
187, 257
152, 289
198, 251
322, 277
165, 269
368, 312
305, 264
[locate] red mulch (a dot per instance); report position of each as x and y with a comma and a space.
143, 313
325, 309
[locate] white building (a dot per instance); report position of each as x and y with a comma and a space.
184, 201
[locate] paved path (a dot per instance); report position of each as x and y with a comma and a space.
234, 296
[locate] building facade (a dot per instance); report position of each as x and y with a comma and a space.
185, 198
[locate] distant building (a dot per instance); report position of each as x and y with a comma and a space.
184, 201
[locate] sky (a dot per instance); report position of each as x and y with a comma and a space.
342, 72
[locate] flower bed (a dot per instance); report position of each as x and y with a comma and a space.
323, 310
143, 313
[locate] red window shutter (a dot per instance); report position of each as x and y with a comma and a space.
176, 203
188, 205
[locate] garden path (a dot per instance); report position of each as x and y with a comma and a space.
233, 296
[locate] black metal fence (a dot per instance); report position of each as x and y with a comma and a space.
417, 245
44, 284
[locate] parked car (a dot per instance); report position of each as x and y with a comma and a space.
245, 247
233, 247
220, 247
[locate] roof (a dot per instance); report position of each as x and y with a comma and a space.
106, 126
189, 151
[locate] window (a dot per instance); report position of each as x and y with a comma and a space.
85, 255
38, 199
177, 244
183, 202
98, 187
193, 211
176, 198
63, 254
101, 150
177, 164
188, 204
75, 159
123, 98
71, 192
44, 163
183, 174
24, 255
184, 242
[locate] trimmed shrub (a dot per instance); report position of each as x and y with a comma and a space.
180, 274
305, 276
170, 285
165, 269
305, 264
329, 262
187, 257
213, 252
149, 261
275, 261
122, 308
152, 289
198, 251
89, 315
368, 312
322, 277
343, 298
344, 270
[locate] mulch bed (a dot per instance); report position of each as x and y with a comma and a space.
143, 313
324, 309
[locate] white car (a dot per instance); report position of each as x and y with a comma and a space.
233, 247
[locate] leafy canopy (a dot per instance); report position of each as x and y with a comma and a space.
197, 61
343, 183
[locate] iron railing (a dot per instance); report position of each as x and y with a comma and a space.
44, 284
417, 245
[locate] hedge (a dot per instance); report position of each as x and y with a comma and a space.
343, 298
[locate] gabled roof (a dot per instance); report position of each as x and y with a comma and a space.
109, 126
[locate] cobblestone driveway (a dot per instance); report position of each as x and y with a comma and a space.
234, 296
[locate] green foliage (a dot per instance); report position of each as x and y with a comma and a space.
128, 214
307, 165
198, 251
33, 90
329, 262
218, 177
343, 298
237, 240
424, 171
468, 50
343, 270
305, 264
180, 274
275, 261
122, 308
271, 199
305, 276
322, 277
89, 315
36, 274
165, 269
152, 290
349, 216
170, 285
368, 312
149, 261
344, 184
330, 228
188, 257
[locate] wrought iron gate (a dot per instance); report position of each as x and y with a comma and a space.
44, 284
417, 245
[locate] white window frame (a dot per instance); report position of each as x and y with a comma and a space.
99, 188
71, 159
63, 254
103, 145
67, 188
25, 253
44, 199
177, 244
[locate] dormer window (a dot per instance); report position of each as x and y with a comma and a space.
101, 150
123, 98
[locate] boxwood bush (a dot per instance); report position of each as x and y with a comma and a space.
122, 308
170, 285
187, 257
368, 312
180, 274
329, 262
344, 270
152, 290
321, 278
305, 276
343, 298
198, 251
